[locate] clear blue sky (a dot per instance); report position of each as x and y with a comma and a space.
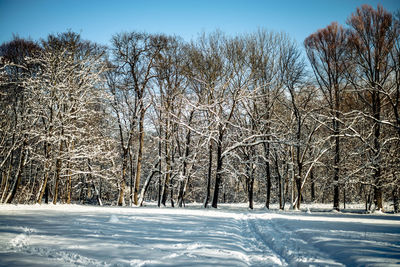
98, 20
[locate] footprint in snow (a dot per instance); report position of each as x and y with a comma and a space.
113, 219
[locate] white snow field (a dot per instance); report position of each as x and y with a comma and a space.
73, 235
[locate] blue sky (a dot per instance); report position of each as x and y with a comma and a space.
98, 20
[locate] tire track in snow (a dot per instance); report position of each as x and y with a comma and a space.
26, 244
260, 245
292, 249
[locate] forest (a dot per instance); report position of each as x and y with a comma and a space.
249, 118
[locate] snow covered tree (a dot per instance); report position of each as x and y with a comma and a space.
65, 113
14, 113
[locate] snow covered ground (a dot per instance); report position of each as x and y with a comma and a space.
68, 235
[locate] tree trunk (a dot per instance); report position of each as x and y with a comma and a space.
396, 202
378, 197
13, 192
29, 198
218, 175
69, 181
46, 194
378, 193
336, 166
210, 160
312, 186
184, 179
167, 176
181, 185
122, 183
58, 171
250, 192
147, 183
131, 180
299, 172
69, 186
181, 199
285, 183
6, 179
172, 196
166, 184
299, 196
159, 183
344, 197
159, 166
55, 193
368, 200
140, 155
278, 173
44, 187
297, 178
121, 195
97, 194
268, 173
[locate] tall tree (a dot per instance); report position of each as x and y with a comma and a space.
371, 40
327, 51
263, 62
135, 54
301, 96
15, 68
169, 86
205, 73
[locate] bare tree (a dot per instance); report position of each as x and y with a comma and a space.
264, 48
327, 52
170, 86
134, 54
372, 39
205, 73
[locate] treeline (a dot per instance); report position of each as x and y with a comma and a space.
219, 119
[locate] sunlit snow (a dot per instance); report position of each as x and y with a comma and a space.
68, 235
